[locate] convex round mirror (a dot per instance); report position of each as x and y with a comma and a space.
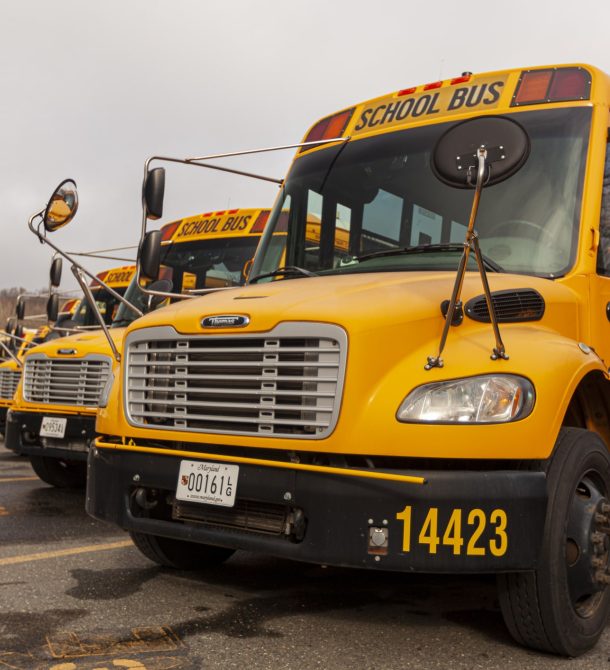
55, 272
62, 206
162, 286
455, 157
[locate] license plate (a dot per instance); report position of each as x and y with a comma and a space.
53, 426
209, 483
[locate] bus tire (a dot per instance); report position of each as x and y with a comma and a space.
562, 606
179, 554
63, 474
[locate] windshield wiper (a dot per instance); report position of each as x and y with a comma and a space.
425, 248
287, 271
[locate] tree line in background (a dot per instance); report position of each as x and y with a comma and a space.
34, 306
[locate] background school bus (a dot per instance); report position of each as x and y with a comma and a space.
52, 418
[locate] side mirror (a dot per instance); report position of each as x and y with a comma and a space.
62, 206
455, 159
55, 272
19, 331
20, 308
53, 307
149, 255
9, 329
161, 285
153, 191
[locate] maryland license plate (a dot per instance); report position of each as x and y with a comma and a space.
209, 483
53, 426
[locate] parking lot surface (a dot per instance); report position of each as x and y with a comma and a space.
76, 595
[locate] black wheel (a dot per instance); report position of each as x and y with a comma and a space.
179, 554
562, 606
64, 474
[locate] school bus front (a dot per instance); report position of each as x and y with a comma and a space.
52, 419
323, 413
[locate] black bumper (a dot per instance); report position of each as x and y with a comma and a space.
23, 436
458, 522
3, 411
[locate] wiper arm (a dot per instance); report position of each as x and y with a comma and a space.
425, 248
287, 271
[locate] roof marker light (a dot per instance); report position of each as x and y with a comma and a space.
433, 85
460, 80
407, 91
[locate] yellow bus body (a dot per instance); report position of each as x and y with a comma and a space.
363, 304
227, 224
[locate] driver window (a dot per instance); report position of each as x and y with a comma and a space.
603, 252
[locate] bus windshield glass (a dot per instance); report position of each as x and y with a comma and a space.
346, 203
106, 303
205, 263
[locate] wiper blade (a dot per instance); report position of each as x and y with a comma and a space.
426, 248
287, 271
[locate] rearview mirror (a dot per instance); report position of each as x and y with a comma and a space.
53, 307
149, 255
62, 206
455, 159
20, 308
152, 193
55, 272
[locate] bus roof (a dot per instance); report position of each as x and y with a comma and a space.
493, 92
220, 224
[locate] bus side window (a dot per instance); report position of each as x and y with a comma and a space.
603, 252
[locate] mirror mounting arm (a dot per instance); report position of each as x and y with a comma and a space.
76, 271
471, 243
44, 240
11, 354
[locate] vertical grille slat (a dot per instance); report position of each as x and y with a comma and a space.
286, 382
9, 380
74, 381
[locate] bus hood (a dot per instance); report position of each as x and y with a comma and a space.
81, 344
361, 303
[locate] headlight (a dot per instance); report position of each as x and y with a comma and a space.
483, 399
106, 390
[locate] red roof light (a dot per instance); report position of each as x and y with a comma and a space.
329, 128
168, 230
408, 91
261, 222
552, 85
430, 87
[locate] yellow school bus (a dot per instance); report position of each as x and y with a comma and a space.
53, 414
118, 279
10, 374
437, 400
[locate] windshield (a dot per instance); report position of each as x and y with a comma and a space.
380, 194
206, 263
107, 304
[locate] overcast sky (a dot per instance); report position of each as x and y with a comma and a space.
89, 89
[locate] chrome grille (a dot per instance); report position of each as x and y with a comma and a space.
9, 380
286, 382
65, 381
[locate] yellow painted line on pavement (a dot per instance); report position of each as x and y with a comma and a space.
17, 479
87, 549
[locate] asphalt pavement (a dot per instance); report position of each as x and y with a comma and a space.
75, 594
